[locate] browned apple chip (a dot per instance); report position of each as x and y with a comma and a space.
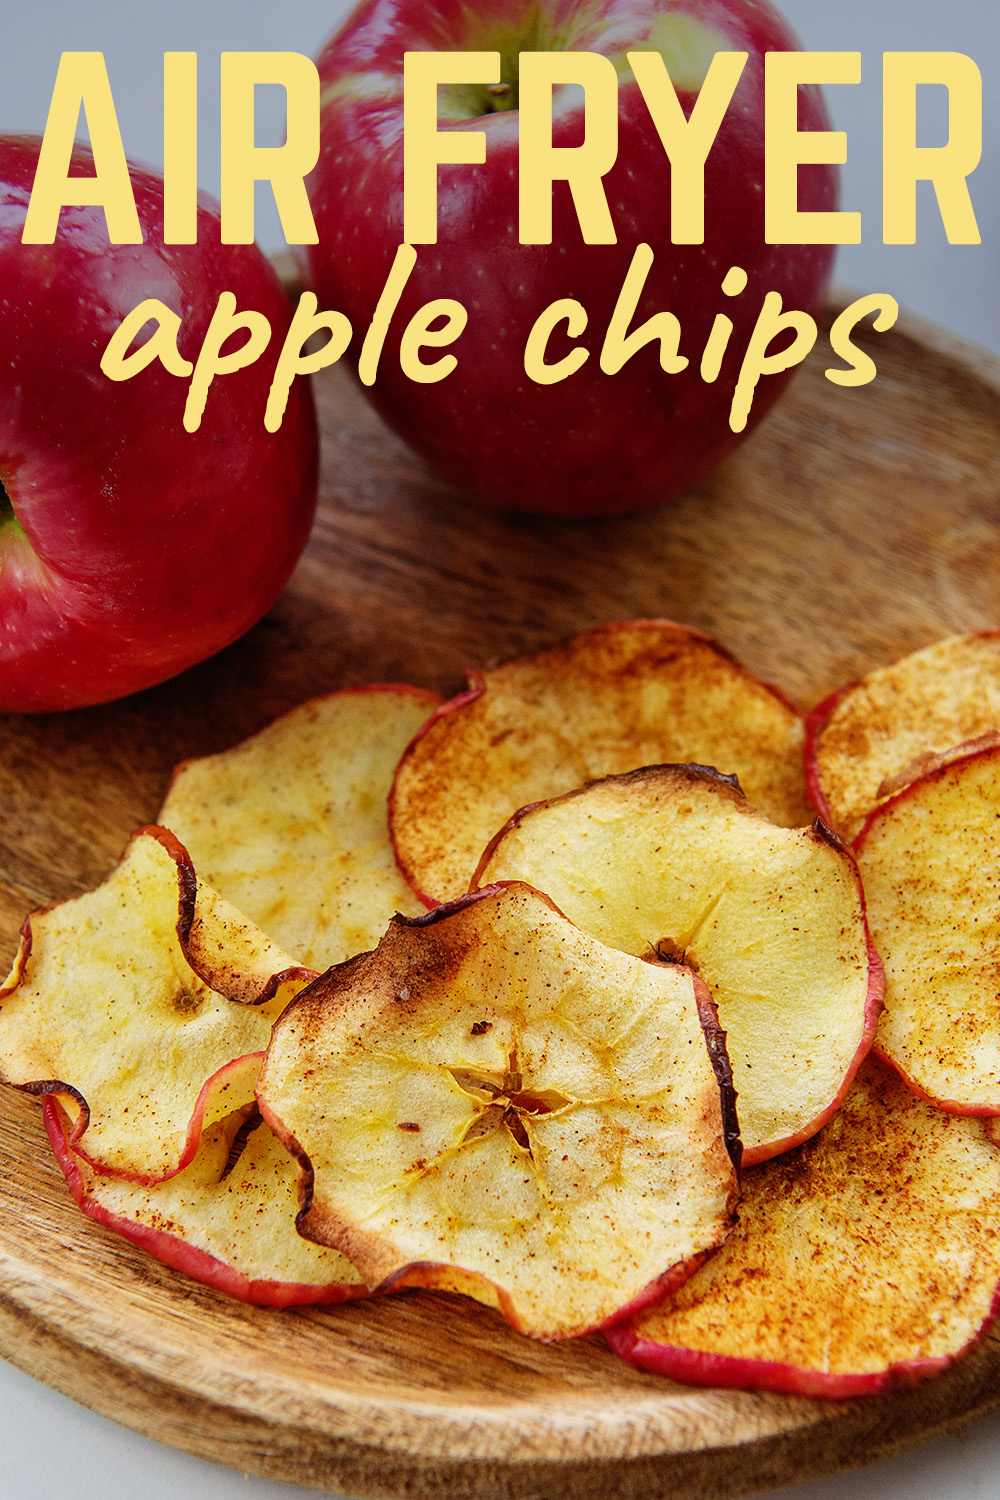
227, 1219
138, 1005
866, 735
673, 861
930, 861
866, 1259
494, 1102
291, 824
637, 693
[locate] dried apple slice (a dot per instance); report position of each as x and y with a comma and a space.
138, 1004
291, 824
636, 693
874, 730
865, 1260
493, 1102
229, 1223
930, 859
673, 860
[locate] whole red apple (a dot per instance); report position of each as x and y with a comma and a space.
129, 548
593, 444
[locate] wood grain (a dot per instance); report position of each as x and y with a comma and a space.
854, 526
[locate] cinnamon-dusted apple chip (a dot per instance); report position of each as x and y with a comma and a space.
493, 1102
930, 861
673, 860
876, 730
227, 1219
291, 824
636, 693
866, 1259
138, 1004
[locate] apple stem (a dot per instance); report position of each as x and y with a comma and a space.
6, 506
501, 96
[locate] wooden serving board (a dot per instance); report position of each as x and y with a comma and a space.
855, 526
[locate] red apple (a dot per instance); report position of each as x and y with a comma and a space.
593, 444
129, 548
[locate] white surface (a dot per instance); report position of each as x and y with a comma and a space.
52, 1447
49, 1445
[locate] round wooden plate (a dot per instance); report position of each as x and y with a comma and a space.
855, 526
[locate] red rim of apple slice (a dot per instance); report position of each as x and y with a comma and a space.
927, 856
491, 1102
144, 991
222, 1206
613, 698
869, 1255
871, 733
290, 824
673, 860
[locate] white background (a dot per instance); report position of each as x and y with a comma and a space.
48, 1445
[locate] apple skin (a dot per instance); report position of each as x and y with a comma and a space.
593, 444
693, 1367
131, 549
816, 722
178, 1253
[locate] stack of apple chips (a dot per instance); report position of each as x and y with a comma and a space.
591, 1039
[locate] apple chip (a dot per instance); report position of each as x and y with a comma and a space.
493, 1102
636, 693
930, 861
291, 824
673, 861
138, 1005
227, 1219
894, 721
867, 1259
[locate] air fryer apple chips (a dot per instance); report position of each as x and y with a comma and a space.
495, 1101
227, 1219
138, 1005
673, 861
291, 824
867, 1258
930, 860
898, 718
492, 1101
637, 693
